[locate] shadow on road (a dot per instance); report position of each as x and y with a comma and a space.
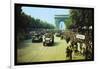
55, 44
21, 45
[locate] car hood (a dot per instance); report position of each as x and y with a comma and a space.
47, 38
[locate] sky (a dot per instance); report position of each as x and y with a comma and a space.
45, 14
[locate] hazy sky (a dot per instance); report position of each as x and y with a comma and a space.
45, 14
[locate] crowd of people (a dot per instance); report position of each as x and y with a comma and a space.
78, 47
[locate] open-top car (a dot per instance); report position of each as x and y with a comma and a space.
37, 37
48, 39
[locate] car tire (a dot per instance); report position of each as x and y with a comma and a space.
41, 40
32, 41
43, 43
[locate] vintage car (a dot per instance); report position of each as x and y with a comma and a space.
37, 37
48, 39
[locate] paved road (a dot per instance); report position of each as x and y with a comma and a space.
36, 52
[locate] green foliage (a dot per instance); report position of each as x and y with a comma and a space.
68, 23
79, 18
82, 17
25, 23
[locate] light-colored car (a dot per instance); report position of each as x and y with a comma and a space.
48, 39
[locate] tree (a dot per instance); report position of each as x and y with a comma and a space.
80, 18
25, 23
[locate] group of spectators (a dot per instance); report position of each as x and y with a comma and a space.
77, 47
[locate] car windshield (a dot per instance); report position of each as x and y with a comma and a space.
48, 35
37, 35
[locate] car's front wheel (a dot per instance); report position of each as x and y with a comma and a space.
41, 40
43, 43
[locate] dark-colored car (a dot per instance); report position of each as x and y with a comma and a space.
37, 37
48, 39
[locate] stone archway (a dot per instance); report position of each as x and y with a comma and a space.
62, 25
59, 19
